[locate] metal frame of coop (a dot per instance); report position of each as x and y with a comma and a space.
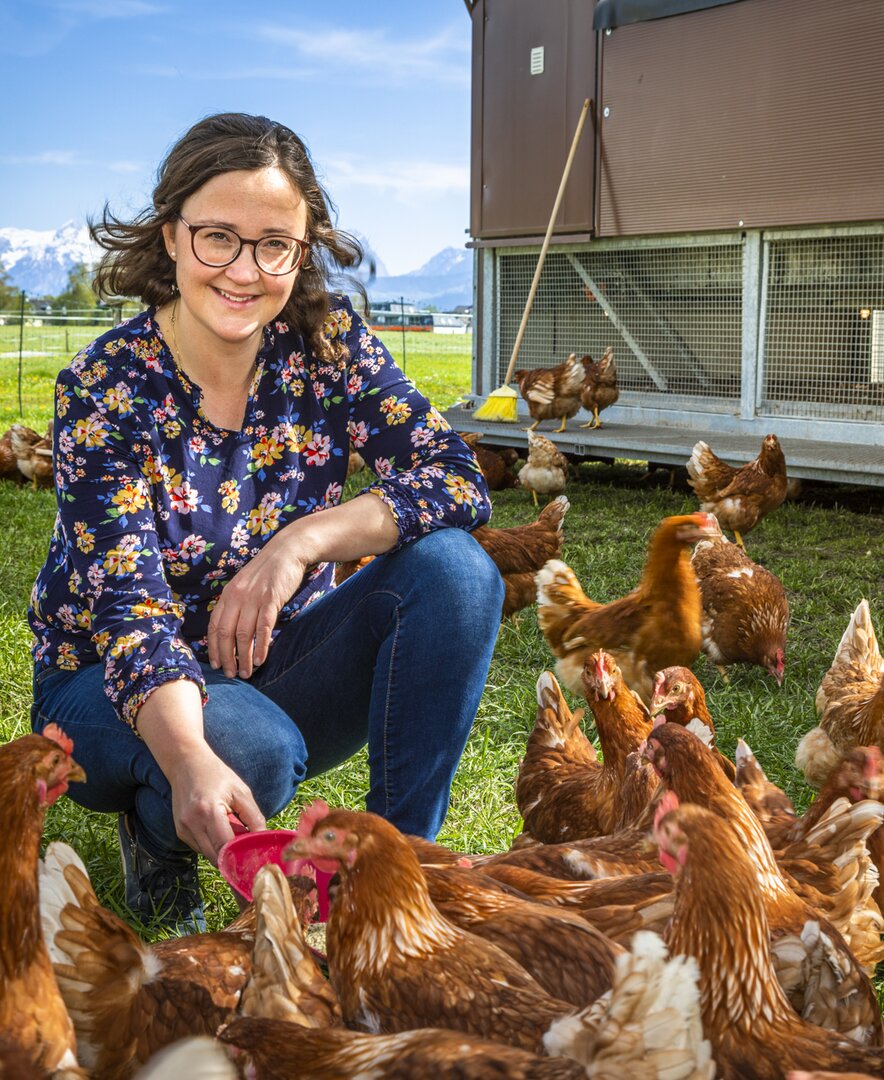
722, 336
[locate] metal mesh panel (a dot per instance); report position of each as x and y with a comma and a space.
823, 304
673, 314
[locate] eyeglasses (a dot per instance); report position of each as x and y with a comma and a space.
215, 245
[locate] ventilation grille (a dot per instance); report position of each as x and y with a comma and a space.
673, 315
821, 337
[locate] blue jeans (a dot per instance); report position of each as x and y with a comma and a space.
396, 657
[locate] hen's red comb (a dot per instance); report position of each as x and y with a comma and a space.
659, 720
669, 801
54, 732
659, 679
311, 816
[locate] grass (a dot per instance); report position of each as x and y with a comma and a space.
825, 548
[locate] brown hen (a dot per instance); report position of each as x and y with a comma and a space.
721, 920
745, 610
285, 1051
561, 797
679, 694
395, 962
129, 999
655, 626
546, 469
398, 964
566, 954
849, 702
496, 466
814, 965
739, 497
33, 453
600, 388
35, 771
552, 393
8, 460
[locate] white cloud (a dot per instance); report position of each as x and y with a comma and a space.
406, 180
67, 159
108, 9
443, 57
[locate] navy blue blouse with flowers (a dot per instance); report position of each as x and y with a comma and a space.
158, 508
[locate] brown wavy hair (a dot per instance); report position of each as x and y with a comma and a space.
137, 264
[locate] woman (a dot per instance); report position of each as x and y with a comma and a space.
200, 451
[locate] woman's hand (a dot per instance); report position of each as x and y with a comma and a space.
242, 622
204, 792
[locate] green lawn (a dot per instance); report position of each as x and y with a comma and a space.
827, 556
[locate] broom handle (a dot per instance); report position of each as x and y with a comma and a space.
549, 229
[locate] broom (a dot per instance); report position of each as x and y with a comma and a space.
502, 404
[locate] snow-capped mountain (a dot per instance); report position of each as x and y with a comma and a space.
445, 281
39, 261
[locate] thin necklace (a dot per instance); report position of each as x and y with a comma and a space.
176, 351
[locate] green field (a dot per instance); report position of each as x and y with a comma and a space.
827, 556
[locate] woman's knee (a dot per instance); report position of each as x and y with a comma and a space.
457, 569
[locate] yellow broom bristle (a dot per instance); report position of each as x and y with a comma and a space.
501, 404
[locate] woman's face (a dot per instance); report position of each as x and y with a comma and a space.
233, 302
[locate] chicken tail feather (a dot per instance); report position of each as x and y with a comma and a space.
647, 1025
286, 983
858, 642
99, 962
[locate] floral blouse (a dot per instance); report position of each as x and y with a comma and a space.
158, 508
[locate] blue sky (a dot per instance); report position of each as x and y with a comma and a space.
95, 92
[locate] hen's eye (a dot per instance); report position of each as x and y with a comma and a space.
329, 835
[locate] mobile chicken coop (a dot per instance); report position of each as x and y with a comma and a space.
722, 227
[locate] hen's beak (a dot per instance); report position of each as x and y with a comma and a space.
77, 774
298, 849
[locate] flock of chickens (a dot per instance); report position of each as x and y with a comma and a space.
664, 914
25, 454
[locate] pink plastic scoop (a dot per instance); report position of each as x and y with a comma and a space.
242, 857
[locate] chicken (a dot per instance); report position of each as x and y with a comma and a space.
739, 498
618, 907
35, 771
859, 776
33, 453
496, 466
563, 798
285, 1051
552, 392
679, 694
599, 385
770, 804
818, 972
565, 953
546, 468
849, 702
655, 626
745, 610
8, 461
129, 999
720, 919
520, 551
395, 962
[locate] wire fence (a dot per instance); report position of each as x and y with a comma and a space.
35, 345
